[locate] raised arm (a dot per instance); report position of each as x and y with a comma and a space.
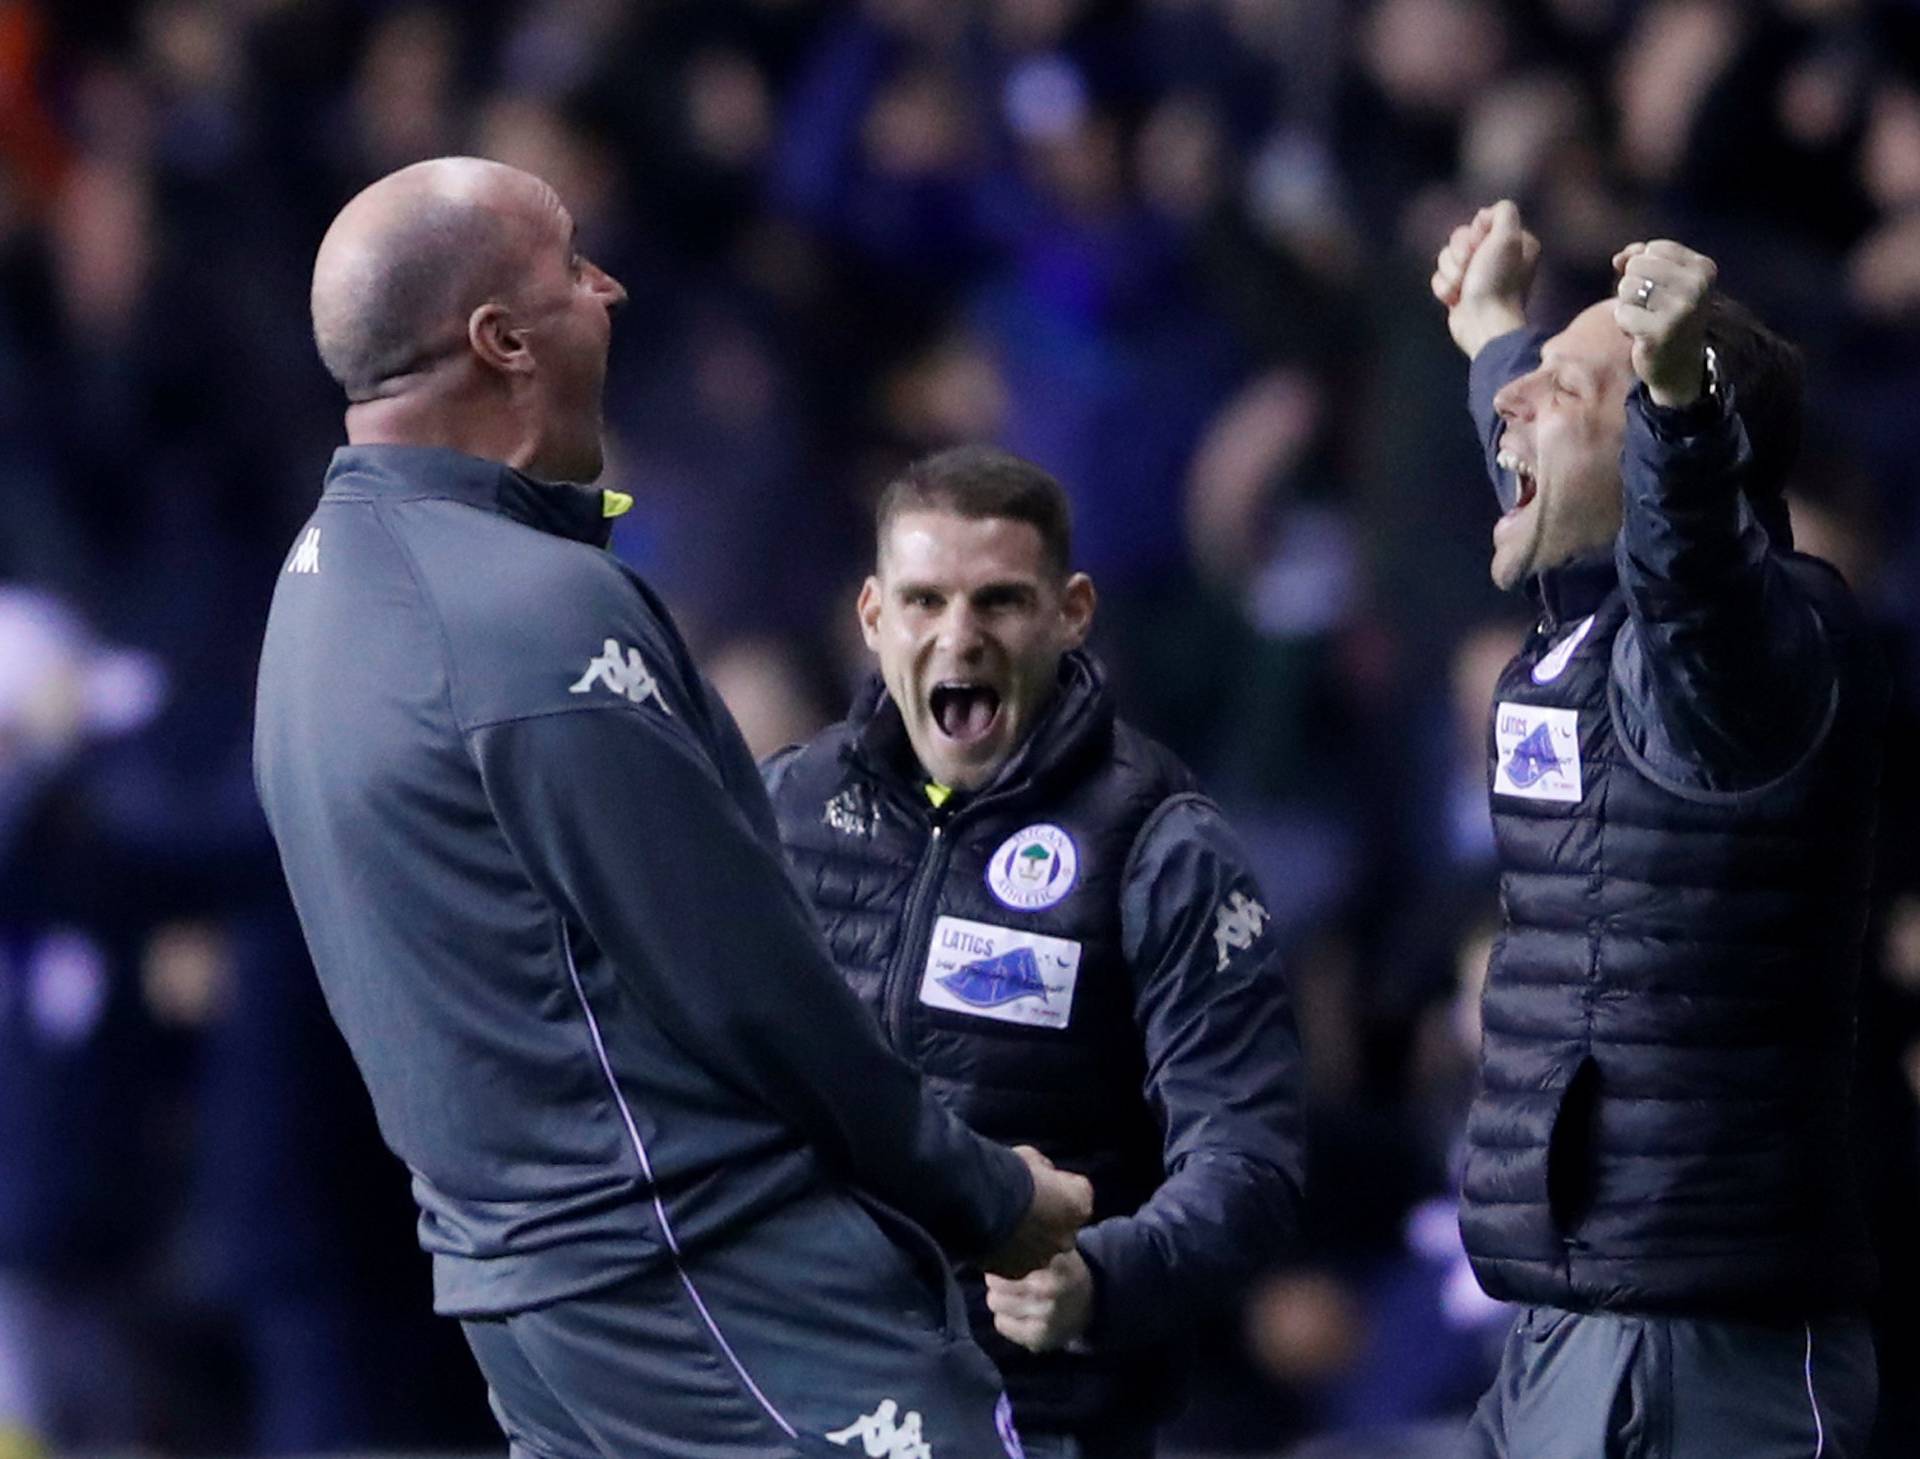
1725, 676
1482, 277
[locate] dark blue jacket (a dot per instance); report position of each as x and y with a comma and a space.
1124, 1008
1684, 761
539, 880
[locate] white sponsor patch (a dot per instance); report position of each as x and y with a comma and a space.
1537, 750
1033, 868
1555, 663
998, 972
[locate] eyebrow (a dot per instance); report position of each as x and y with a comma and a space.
1560, 363
999, 588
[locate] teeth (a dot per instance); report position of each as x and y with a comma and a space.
1507, 461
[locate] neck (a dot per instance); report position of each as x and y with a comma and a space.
437, 415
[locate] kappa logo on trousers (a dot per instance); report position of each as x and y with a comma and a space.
884, 1435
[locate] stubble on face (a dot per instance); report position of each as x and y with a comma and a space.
1565, 423
969, 621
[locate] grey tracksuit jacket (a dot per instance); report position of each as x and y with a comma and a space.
541, 886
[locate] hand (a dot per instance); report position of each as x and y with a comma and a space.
1046, 1309
1062, 1204
1661, 305
1483, 275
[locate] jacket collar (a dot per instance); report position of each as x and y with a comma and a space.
1574, 591
1078, 723
562, 508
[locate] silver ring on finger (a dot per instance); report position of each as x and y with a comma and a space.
1643, 294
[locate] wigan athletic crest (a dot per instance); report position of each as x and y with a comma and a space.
1034, 868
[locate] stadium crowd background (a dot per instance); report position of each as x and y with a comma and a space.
1175, 250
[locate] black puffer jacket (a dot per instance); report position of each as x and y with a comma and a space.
1075, 958
1683, 790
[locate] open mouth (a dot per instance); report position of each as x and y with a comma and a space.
965, 711
1525, 484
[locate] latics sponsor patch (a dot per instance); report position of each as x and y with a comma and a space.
1538, 752
1000, 973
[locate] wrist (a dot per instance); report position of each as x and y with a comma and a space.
1689, 384
1688, 410
1475, 326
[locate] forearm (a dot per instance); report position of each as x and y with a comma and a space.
1223, 1076
1504, 358
1190, 1251
1726, 676
627, 832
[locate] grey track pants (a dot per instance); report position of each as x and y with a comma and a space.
831, 1329
1600, 1386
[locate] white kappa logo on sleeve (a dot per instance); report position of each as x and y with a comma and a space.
883, 1434
1238, 922
624, 672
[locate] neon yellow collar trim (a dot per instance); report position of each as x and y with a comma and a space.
615, 503
937, 793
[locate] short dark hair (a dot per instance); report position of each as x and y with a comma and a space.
981, 481
1769, 390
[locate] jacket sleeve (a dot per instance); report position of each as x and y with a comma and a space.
1505, 358
624, 825
1724, 677
1223, 1076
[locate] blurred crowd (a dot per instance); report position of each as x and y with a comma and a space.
1174, 250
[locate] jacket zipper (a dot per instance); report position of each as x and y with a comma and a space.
899, 986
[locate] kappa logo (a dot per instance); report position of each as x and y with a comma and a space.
996, 980
1239, 921
624, 672
853, 812
883, 1434
306, 557
1533, 759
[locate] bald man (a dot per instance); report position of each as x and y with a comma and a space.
680, 1194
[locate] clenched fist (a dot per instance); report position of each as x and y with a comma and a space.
1661, 305
1062, 1204
1483, 275
1046, 1309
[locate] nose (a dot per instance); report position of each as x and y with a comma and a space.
608, 287
1514, 400
959, 635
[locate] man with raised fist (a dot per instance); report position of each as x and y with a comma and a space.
1683, 765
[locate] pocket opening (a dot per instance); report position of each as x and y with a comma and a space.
1570, 1149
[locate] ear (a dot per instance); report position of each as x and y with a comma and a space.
1077, 602
869, 610
496, 341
